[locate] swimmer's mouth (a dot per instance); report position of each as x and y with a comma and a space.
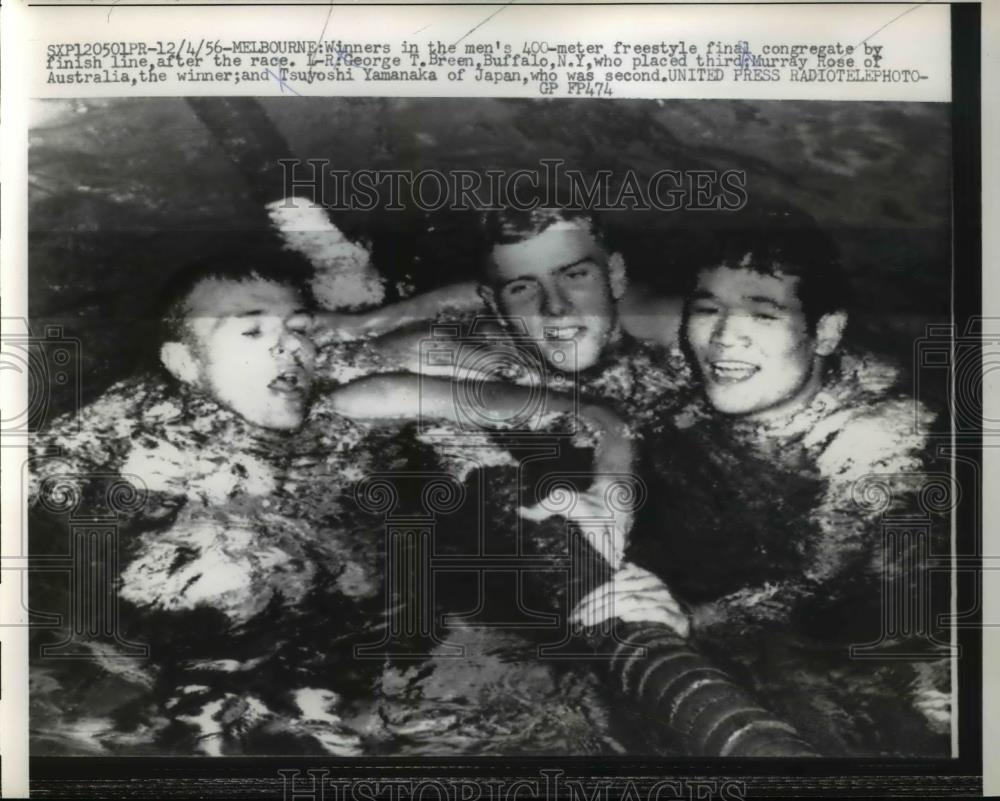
563, 332
731, 371
291, 382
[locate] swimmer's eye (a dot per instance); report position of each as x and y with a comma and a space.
252, 333
579, 271
518, 289
300, 323
704, 310
766, 316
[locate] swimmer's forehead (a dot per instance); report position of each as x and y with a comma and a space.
745, 285
549, 251
216, 298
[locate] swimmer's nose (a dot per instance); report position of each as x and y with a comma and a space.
288, 342
727, 330
555, 303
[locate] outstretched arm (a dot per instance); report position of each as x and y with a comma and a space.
397, 396
398, 351
418, 309
411, 397
644, 314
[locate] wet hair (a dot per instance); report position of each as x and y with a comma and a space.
254, 259
779, 241
509, 225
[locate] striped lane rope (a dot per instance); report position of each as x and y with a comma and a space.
708, 712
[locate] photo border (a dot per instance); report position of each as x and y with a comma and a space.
252, 777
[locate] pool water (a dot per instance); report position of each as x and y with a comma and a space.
254, 611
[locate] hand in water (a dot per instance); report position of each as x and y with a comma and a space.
603, 512
633, 595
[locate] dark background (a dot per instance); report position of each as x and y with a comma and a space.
123, 192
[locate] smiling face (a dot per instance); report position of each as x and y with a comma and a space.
249, 348
752, 343
565, 290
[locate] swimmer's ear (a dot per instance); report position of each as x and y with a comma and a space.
616, 276
180, 362
829, 331
489, 298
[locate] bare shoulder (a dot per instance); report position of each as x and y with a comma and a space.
888, 435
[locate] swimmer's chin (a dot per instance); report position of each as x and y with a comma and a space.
279, 421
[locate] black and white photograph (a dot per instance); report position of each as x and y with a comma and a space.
445, 428
552, 475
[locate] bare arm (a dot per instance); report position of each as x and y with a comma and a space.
406, 350
420, 308
644, 314
609, 499
410, 397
